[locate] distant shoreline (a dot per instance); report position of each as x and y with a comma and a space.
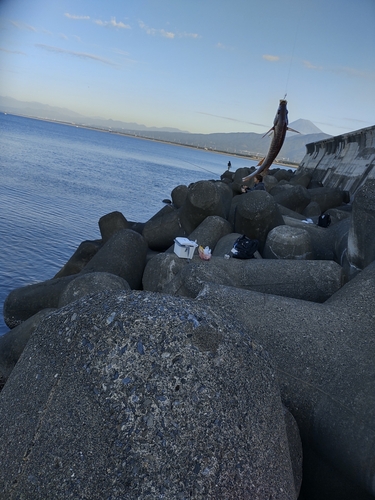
140, 136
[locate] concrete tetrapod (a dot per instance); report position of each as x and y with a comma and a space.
142, 395
324, 355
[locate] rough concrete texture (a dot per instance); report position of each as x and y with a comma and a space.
111, 223
89, 284
307, 280
209, 232
13, 343
24, 302
178, 195
327, 242
256, 214
160, 270
295, 198
344, 161
84, 253
160, 232
324, 355
138, 395
285, 242
124, 255
361, 238
203, 199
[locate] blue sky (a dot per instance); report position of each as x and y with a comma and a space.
198, 65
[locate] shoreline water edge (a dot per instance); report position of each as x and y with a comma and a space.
138, 135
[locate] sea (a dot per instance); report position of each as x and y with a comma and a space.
58, 180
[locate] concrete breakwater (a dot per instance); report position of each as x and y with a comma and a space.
134, 373
345, 161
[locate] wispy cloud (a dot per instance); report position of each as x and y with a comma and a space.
232, 119
309, 65
342, 70
81, 55
270, 58
23, 26
112, 24
166, 34
12, 51
75, 17
156, 32
64, 37
221, 46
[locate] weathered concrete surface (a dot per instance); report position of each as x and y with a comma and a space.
329, 243
210, 231
89, 284
160, 270
325, 355
361, 238
303, 279
138, 395
345, 161
111, 223
124, 255
161, 231
13, 343
286, 242
256, 214
84, 253
203, 199
25, 301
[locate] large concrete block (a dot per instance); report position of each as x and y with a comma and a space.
296, 198
256, 214
203, 199
307, 280
111, 223
84, 253
209, 232
138, 395
286, 242
160, 232
13, 343
24, 302
89, 284
324, 355
160, 270
124, 255
361, 237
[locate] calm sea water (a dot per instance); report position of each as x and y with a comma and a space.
56, 181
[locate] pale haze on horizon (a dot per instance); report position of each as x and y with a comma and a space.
200, 66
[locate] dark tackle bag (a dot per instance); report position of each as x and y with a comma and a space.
324, 220
244, 248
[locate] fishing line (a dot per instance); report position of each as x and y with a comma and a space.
202, 168
294, 46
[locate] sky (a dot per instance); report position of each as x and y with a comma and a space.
201, 66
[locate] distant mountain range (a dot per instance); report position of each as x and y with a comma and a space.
241, 143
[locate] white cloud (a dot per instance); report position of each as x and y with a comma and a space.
270, 58
24, 26
81, 55
309, 65
12, 51
75, 17
221, 46
164, 33
342, 70
112, 24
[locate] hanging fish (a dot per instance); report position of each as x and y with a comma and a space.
280, 126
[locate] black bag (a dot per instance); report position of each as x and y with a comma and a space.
324, 220
244, 248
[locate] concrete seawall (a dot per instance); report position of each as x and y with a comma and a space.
344, 161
